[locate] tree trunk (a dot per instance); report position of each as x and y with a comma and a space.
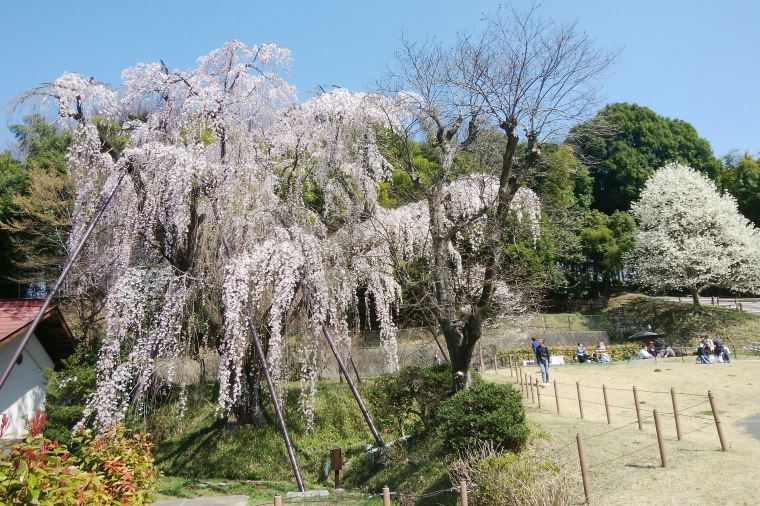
695, 297
460, 341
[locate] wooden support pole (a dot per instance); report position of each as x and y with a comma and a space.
580, 401
509, 358
278, 500
638, 409
530, 385
463, 493
556, 396
675, 413
584, 470
716, 417
519, 375
660, 439
538, 394
606, 404
480, 355
495, 365
386, 496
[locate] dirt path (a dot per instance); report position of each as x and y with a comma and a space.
625, 465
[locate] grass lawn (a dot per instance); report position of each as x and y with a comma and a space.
624, 464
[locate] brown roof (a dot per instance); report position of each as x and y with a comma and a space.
52, 331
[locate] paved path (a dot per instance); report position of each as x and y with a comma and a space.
748, 305
226, 500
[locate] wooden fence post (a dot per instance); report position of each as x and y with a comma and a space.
660, 439
530, 385
495, 365
510, 366
463, 493
584, 471
675, 413
556, 395
386, 496
278, 500
580, 401
480, 355
606, 404
716, 417
538, 394
638, 409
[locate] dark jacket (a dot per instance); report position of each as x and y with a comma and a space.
543, 353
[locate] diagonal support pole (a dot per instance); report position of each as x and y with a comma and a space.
263, 362
74, 255
359, 401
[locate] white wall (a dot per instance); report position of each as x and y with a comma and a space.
24, 392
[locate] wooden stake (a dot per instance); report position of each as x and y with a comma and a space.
278, 500
716, 417
584, 471
386, 496
480, 355
538, 394
510, 366
638, 409
530, 385
580, 402
495, 366
675, 413
556, 395
606, 405
463, 493
660, 439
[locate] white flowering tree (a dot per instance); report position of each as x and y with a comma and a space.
243, 206
690, 237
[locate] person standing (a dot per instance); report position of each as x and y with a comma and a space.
534, 345
542, 357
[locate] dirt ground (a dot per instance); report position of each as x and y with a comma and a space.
624, 463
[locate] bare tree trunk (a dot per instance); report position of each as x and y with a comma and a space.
695, 297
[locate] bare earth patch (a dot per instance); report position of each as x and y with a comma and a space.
625, 463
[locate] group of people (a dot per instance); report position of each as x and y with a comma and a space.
712, 350
600, 355
648, 350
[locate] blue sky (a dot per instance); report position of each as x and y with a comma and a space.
694, 60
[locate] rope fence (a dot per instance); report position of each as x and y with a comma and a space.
527, 385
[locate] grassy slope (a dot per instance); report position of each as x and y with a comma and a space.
681, 321
201, 446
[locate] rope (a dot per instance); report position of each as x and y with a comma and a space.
623, 456
613, 430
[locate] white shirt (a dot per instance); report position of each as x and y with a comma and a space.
644, 354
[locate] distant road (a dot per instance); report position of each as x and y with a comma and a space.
748, 305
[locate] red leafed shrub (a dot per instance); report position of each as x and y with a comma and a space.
108, 469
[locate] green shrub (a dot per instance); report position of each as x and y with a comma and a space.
109, 469
509, 479
615, 351
124, 463
40, 471
485, 412
410, 397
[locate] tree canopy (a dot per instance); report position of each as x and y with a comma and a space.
625, 143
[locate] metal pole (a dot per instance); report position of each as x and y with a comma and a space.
580, 401
354, 391
263, 362
716, 417
660, 440
638, 409
74, 255
584, 470
675, 413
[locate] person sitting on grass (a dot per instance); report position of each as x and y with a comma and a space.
726, 354
702, 356
580, 354
644, 352
601, 353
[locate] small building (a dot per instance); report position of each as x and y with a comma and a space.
52, 341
